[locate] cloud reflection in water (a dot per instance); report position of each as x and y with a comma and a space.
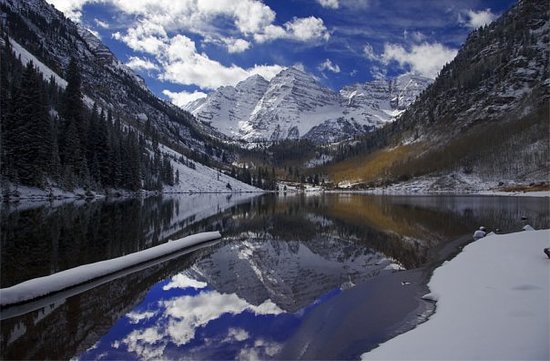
182, 316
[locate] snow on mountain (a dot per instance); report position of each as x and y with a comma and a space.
291, 274
382, 100
228, 105
200, 178
295, 105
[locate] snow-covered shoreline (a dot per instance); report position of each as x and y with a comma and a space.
492, 303
25, 193
42, 286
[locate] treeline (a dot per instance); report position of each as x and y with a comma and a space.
261, 177
49, 137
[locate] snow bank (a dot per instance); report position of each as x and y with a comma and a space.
42, 286
492, 303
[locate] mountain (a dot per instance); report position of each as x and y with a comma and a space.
291, 274
228, 105
35, 31
295, 105
483, 121
369, 106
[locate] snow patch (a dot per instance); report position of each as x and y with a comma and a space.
42, 286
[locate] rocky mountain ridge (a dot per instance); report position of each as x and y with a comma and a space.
294, 105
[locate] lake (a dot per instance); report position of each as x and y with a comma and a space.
323, 276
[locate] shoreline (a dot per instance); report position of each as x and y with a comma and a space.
472, 328
40, 195
391, 305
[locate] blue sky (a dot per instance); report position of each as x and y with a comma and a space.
186, 48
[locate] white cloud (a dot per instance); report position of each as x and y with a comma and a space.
182, 64
426, 59
177, 56
181, 280
136, 317
369, 53
329, 65
137, 64
307, 29
332, 4
102, 24
249, 17
252, 16
261, 350
415, 36
187, 313
180, 317
299, 29
236, 45
146, 36
236, 334
480, 18
181, 99
147, 343
266, 71
71, 8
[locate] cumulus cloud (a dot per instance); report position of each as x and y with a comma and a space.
236, 45
299, 29
137, 64
476, 19
426, 59
329, 65
331, 4
158, 27
183, 64
249, 17
146, 36
187, 313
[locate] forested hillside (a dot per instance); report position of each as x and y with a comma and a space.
49, 137
78, 118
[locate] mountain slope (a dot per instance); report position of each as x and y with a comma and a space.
294, 105
42, 34
228, 105
484, 117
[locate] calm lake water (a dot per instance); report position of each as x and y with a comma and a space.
317, 277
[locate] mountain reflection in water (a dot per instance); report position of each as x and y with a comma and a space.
285, 263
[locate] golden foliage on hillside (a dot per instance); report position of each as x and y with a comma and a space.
374, 166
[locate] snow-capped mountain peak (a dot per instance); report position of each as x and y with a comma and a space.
293, 105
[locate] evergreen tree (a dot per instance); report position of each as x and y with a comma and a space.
73, 144
28, 131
